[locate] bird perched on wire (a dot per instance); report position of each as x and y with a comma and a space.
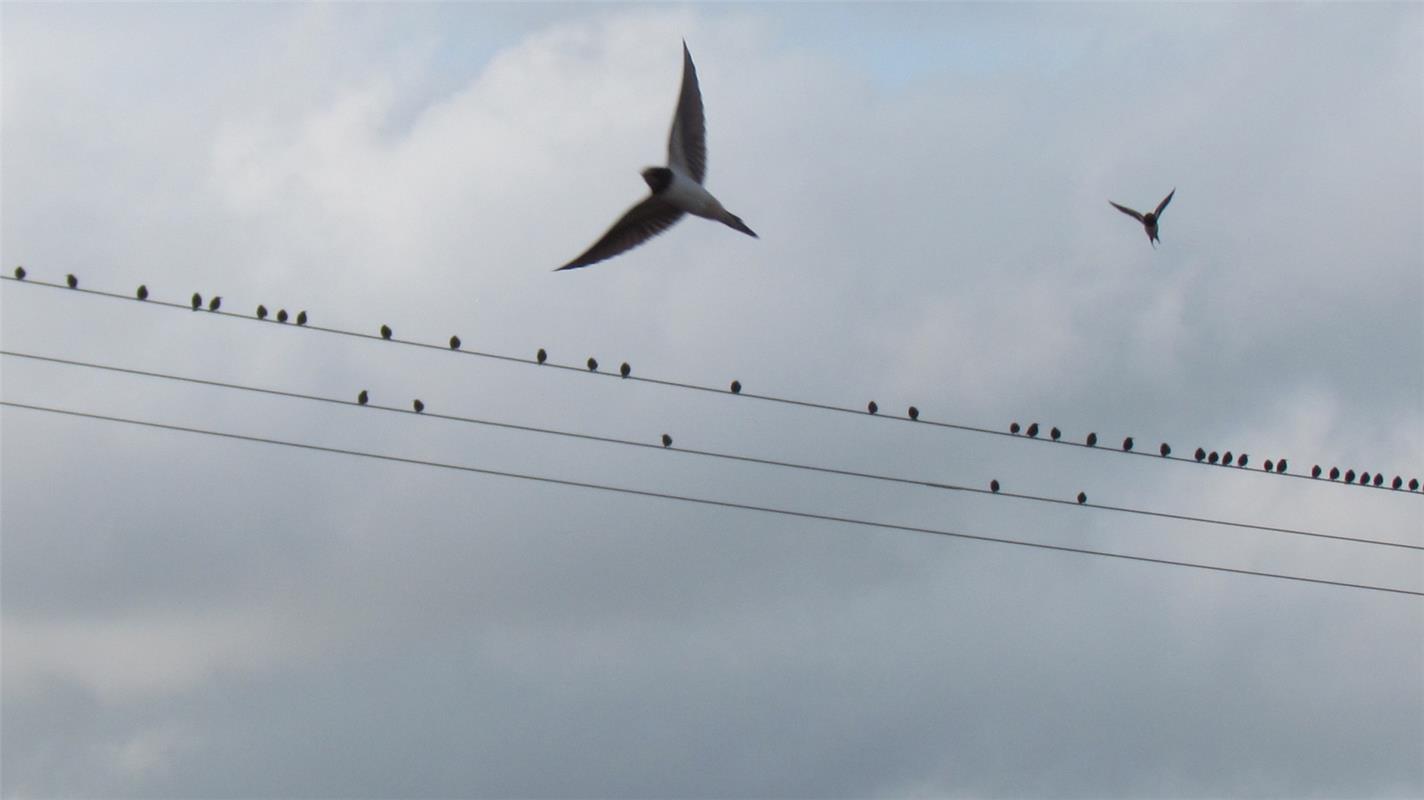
914, 413
1148, 220
871, 407
1334, 473
1226, 459
994, 486
454, 341
1269, 465
1082, 498
72, 281
667, 440
386, 331
592, 364
1165, 449
1315, 471
1242, 459
20, 273
417, 405
362, 397
1413, 484
1281, 466
1032, 431
1127, 444
1200, 454
625, 370
282, 315
736, 387
1397, 482
301, 317
676, 188
1213, 457
214, 304
197, 301
142, 292
1055, 434
261, 312
1349, 476
1013, 427
1092, 440
541, 356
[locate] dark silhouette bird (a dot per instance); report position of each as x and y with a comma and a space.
1092, 440
301, 317
872, 407
197, 301
214, 304
1213, 458
1349, 476
1334, 473
282, 316
1396, 483
72, 281
1413, 484
994, 486
1364, 478
736, 387
625, 370
541, 356
1165, 449
1082, 498
1032, 431
592, 364
418, 406
676, 189
914, 413
1242, 459
262, 312
1315, 471
1226, 459
1281, 466
1054, 434
667, 440
20, 273
1127, 444
1013, 427
1148, 220
1200, 454
1269, 465
386, 331
1378, 479
142, 292
362, 397
454, 341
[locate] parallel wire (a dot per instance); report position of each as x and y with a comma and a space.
700, 388
708, 501
707, 453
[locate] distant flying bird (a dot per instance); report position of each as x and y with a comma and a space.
1165, 449
418, 406
676, 188
1397, 482
385, 331
994, 486
1148, 220
261, 312
20, 273
736, 387
872, 407
301, 317
1200, 454
1032, 430
454, 340
1334, 473
625, 370
1055, 434
142, 292
541, 356
592, 364
1242, 459
1315, 471
1213, 458
214, 304
1092, 440
1082, 498
914, 413
1281, 466
197, 301
1127, 444
362, 397
1013, 427
667, 440
72, 281
282, 315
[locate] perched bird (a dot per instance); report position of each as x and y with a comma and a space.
1032, 430
142, 292
1148, 220
541, 356
1226, 459
1413, 484
1269, 465
872, 407
1127, 444
914, 413
1054, 434
1013, 427
592, 364
1281, 466
1082, 498
676, 189
1200, 454
1315, 471
1165, 449
72, 281
1349, 476
1092, 440
454, 340
214, 304
385, 331
994, 486
362, 397
736, 387
1334, 473
1242, 459
625, 370
1213, 458
261, 312
301, 317
667, 440
1364, 478
418, 406
1397, 482
282, 315
20, 273
197, 301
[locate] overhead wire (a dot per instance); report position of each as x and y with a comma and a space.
545, 479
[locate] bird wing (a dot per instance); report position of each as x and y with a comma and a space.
687, 144
641, 223
1127, 211
1164, 203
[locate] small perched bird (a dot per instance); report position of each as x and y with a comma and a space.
914, 413
197, 301
592, 364
1055, 434
1082, 498
1226, 459
1364, 478
541, 356
736, 387
1242, 459
1314, 471
214, 304
625, 370
1127, 444
1334, 473
1213, 458
1092, 440
872, 407
261, 312
301, 317
385, 331
1013, 427
362, 397
418, 406
676, 189
1200, 454
667, 440
282, 315
1397, 482
1148, 220
142, 292
1413, 484
454, 342
1281, 466
994, 486
1165, 449
20, 273
72, 281
1032, 430
1269, 465
1349, 476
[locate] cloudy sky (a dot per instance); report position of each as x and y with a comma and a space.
186, 616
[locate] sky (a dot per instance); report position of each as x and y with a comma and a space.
187, 616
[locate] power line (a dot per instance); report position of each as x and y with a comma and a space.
698, 387
708, 453
705, 501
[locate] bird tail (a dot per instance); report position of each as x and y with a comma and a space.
735, 222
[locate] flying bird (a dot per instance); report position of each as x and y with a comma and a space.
1148, 220
282, 315
72, 281
261, 312
676, 189
454, 340
142, 292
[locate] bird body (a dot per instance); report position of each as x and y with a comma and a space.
362, 397
454, 343
301, 317
872, 407
142, 293
262, 312
197, 301
19, 273
1150, 219
214, 304
541, 356
386, 331
736, 387
69, 279
281, 315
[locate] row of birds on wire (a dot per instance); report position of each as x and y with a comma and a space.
1226, 459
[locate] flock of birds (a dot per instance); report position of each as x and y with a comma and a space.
1226, 459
